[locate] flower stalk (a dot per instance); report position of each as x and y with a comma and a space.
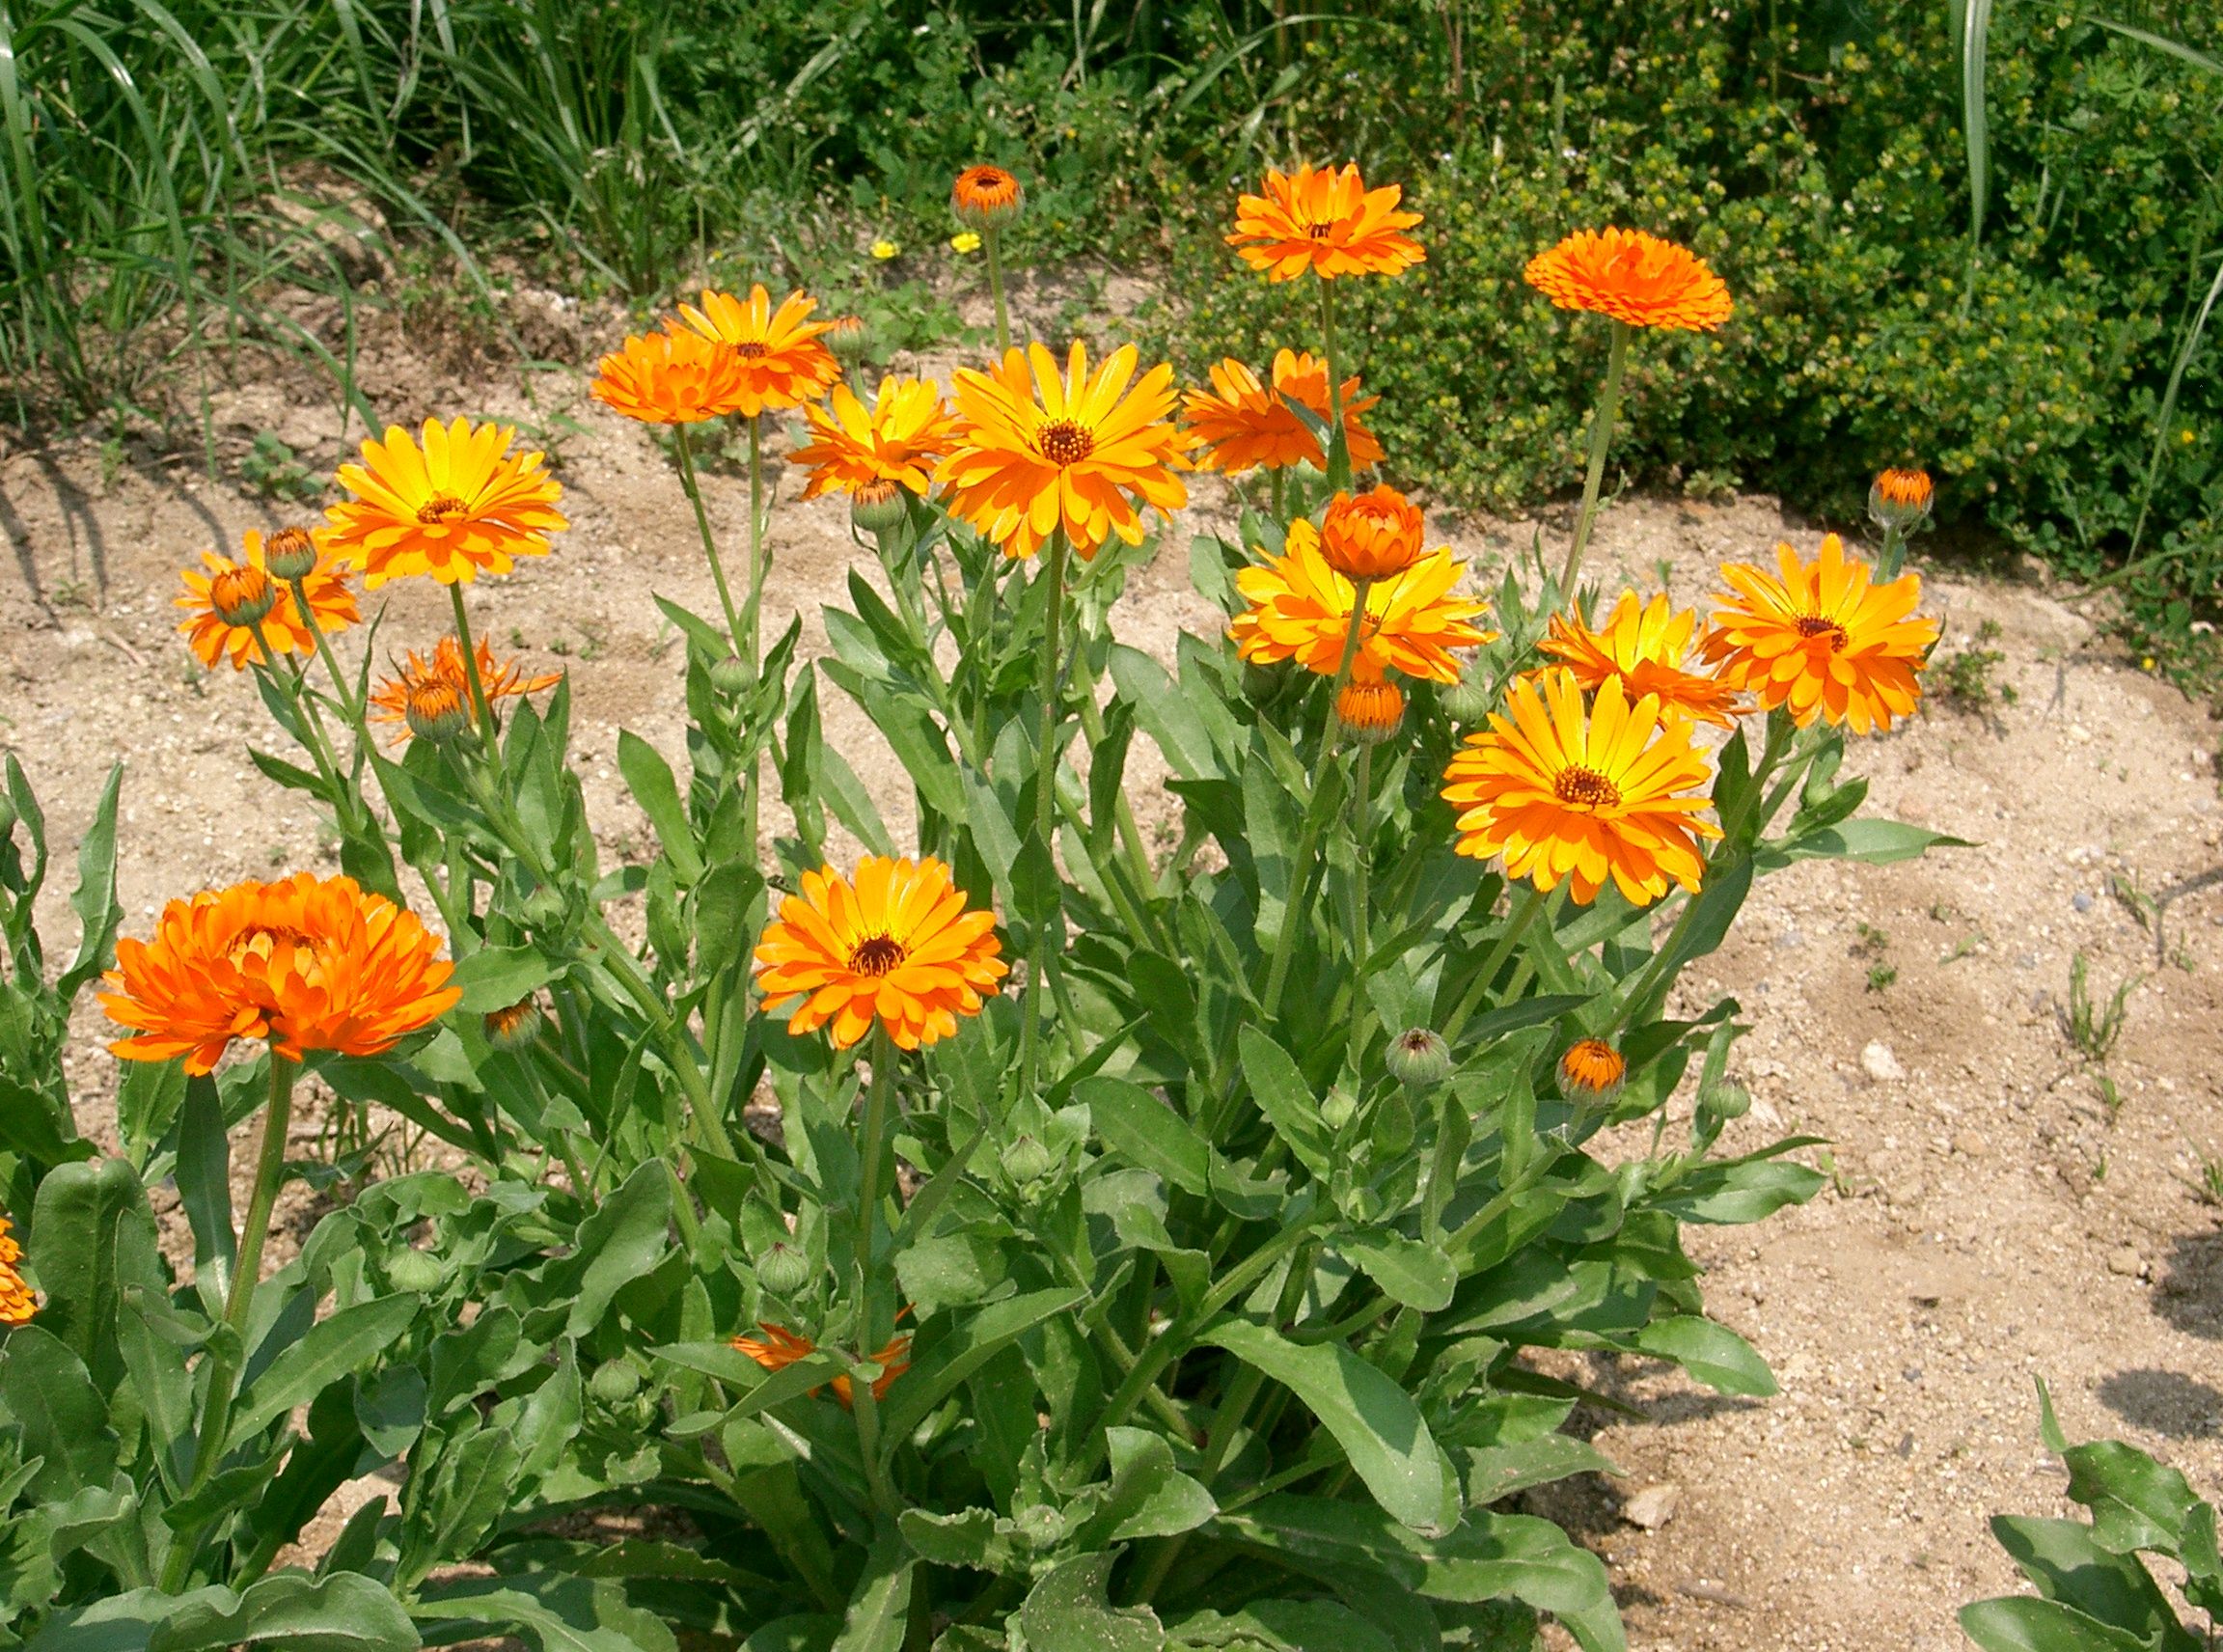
1600, 437
685, 448
1045, 807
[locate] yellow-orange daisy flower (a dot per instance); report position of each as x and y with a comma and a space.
1644, 644
783, 361
1616, 794
677, 376
1633, 277
896, 440
1820, 639
895, 945
1083, 451
1245, 424
16, 1302
433, 686
1591, 1070
1300, 610
221, 584
780, 1347
1325, 221
1375, 534
458, 506
308, 963
986, 197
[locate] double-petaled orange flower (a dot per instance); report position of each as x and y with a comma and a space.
1080, 450
780, 1347
430, 693
1565, 796
986, 197
1591, 1072
16, 1302
459, 506
1644, 646
308, 963
221, 584
1633, 277
1375, 534
677, 376
896, 440
783, 363
1326, 222
1820, 639
1245, 425
1300, 610
896, 944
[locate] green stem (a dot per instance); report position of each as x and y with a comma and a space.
753, 612
1516, 923
1129, 830
1339, 444
238, 1304
879, 1096
348, 702
478, 705
1361, 895
311, 730
687, 479
1601, 435
1045, 808
996, 288
1893, 555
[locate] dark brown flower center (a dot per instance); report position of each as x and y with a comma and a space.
1585, 788
441, 507
1319, 231
1812, 625
1064, 443
750, 348
877, 955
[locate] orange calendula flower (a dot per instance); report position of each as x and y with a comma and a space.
1370, 711
783, 361
1245, 424
895, 945
1326, 222
674, 377
308, 963
222, 586
1081, 451
1643, 645
16, 1302
896, 440
1300, 610
780, 1347
1591, 1070
426, 689
1616, 794
1633, 277
1900, 498
458, 506
1820, 639
986, 197
1375, 534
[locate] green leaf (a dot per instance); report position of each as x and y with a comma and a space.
94, 900
964, 1351
1148, 1497
1164, 713
290, 1610
2136, 1502
1283, 1626
1497, 1471
880, 1606
1370, 1415
1416, 1275
557, 1613
649, 778
330, 1351
1715, 1355
1878, 842
205, 1188
1067, 1611
968, 1538
1144, 1131
1286, 1100
39, 1128
495, 977
91, 1234
44, 1388
623, 1239
2061, 1557
2021, 1624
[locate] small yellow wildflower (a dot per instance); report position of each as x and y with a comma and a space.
884, 250
965, 242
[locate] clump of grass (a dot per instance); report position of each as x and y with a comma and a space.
1967, 678
2093, 1029
1872, 946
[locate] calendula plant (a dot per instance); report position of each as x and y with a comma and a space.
1055, 1229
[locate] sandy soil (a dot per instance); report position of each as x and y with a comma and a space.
1991, 1218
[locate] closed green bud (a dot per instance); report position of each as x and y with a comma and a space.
1466, 701
784, 1268
1728, 1100
1418, 1058
1337, 1110
1026, 1160
515, 1028
615, 1381
731, 676
879, 506
289, 554
414, 1270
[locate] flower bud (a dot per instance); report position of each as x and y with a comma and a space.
1370, 712
850, 339
435, 710
731, 676
1467, 702
615, 1381
1591, 1072
289, 554
1026, 1160
413, 1270
986, 197
544, 910
784, 1268
878, 507
1900, 498
1727, 1100
1418, 1058
516, 1028
1375, 535
242, 595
